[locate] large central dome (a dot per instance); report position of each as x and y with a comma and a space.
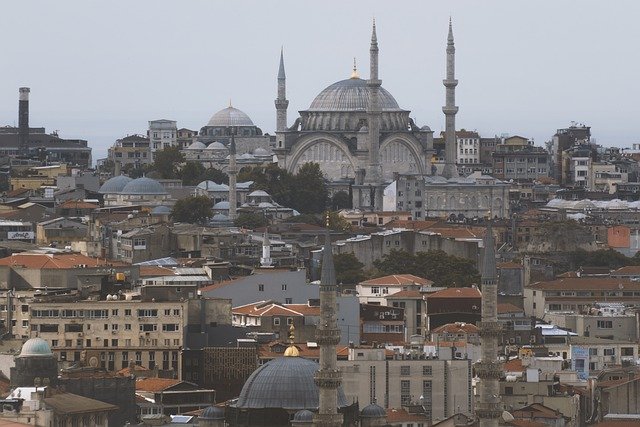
230, 117
351, 95
284, 382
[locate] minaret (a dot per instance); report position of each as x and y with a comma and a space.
232, 171
265, 260
373, 175
489, 369
23, 121
328, 378
450, 170
281, 101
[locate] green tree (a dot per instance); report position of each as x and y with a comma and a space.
443, 269
306, 219
309, 189
132, 171
341, 200
336, 222
166, 162
215, 175
250, 220
191, 173
349, 270
194, 210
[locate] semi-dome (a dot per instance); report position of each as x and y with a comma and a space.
114, 185
303, 416
212, 413
143, 186
351, 95
197, 145
260, 152
215, 145
373, 411
35, 347
224, 204
230, 117
286, 383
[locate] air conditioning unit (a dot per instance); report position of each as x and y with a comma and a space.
80, 334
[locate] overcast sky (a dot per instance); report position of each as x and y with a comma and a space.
100, 70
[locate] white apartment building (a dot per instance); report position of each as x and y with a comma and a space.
162, 134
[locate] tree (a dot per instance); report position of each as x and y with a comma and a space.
443, 269
132, 171
309, 189
215, 175
250, 220
306, 219
166, 162
191, 173
349, 270
194, 210
336, 222
341, 200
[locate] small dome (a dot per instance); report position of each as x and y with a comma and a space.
212, 413
219, 218
246, 156
258, 193
212, 186
373, 411
221, 205
161, 210
143, 186
260, 152
230, 117
196, 146
303, 416
351, 95
114, 185
215, 145
284, 382
35, 347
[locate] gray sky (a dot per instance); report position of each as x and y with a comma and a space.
100, 70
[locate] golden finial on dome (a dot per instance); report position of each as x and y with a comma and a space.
292, 350
230, 106
354, 73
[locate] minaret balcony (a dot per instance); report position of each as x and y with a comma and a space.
328, 336
328, 378
488, 410
327, 420
450, 110
282, 103
488, 370
490, 329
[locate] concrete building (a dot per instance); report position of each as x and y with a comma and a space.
517, 159
375, 291
563, 140
60, 232
162, 134
267, 316
132, 150
442, 387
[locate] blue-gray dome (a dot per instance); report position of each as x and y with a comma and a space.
143, 186
35, 347
230, 117
303, 416
114, 185
373, 411
351, 95
284, 382
212, 413
161, 210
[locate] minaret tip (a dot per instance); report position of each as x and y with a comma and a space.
450, 37
374, 36
230, 105
281, 74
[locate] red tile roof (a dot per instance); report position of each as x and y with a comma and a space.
132, 371
614, 423
406, 294
509, 308
155, 271
514, 365
77, 204
456, 328
155, 384
629, 269
56, 261
395, 415
268, 308
457, 293
398, 280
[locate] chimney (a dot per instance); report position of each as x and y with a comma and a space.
23, 120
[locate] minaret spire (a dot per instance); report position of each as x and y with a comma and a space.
266, 260
281, 101
373, 177
450, 170
489, 369
232, 171
329, 377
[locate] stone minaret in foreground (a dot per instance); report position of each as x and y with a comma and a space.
373, 176
23, 120
328, 378
489, 369
450, 170
232, 171
281, 101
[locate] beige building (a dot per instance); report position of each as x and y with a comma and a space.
112, 334
443, 387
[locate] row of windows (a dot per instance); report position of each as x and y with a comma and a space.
113, 342
99, 313
405, 370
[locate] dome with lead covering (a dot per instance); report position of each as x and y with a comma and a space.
303, 416
196, 146
142, 186
351, 95
35, 347
230, 117
114, 185
284, 382
212, 413
373, 411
